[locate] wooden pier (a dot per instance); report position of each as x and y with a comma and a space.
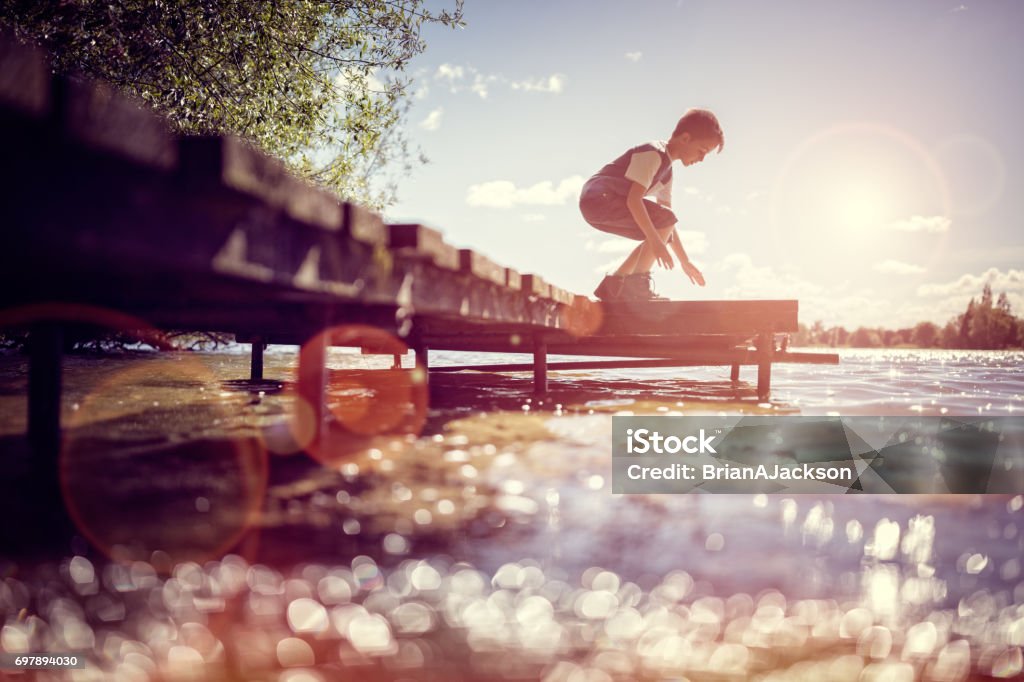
111, 220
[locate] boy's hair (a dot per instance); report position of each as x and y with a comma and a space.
702, 125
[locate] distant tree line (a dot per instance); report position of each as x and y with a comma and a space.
986, 324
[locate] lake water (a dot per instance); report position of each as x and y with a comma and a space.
494, 532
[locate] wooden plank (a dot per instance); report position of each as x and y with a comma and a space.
570, 365
363, 225
665, 317
782, 307
475, 264
534, 285
513, 280
561, 295
695, 358
24, 79
99, 117
643, 347
421, 241
807, 358
232, 163
693, 324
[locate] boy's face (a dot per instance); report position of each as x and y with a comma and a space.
690, 150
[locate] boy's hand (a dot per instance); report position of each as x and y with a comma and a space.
693, 273
663, 255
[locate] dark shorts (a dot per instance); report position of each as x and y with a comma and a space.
603, 205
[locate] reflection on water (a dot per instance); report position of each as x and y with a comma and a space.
494, 532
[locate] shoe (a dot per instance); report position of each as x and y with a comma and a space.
640, 287
610, 288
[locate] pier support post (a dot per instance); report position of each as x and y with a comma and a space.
540, 364
46, 341
422, 361
765, 342
734, 374
256, 363
311, 406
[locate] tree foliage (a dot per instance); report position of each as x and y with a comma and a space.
984, 325
319, 83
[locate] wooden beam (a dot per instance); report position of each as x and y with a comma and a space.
571, 365
24, 79
215, 163
713, 317
101, 118
419, 241
475, 264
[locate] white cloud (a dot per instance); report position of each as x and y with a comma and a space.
692, 191
753, 281
353, 79
694, 241
450, 73
756, 194
534, 217
634, 56
971, 285
919, 223
554, 83
433, 120
618, 245
422, 90
481, 83
613, 265
460, 78
505, 194
895, 267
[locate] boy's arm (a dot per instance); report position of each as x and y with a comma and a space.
689, 268
635, 204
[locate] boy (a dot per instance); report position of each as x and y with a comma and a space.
614, 201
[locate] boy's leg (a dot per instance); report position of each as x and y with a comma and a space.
641, 259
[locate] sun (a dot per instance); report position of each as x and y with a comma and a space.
861, 206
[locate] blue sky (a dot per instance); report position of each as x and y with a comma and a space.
871, 153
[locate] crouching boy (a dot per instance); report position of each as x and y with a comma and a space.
615, 200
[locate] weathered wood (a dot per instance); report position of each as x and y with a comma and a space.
534, 285
734, 374
477, 265
513, 280
560, 295
101, 118
228, 162
24, 79
540, 365
806, 358
311, 409
44, 389
620, 346
705, 317
569, 365
364, 225
765, 348
422, 357
420, 241
256, 359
